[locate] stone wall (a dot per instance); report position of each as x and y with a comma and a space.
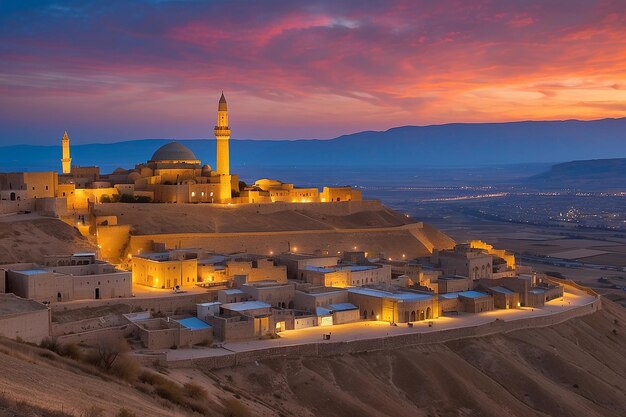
386, 343
178, 303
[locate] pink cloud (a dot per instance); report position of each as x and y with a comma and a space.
301, 69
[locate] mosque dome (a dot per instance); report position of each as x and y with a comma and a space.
174, 151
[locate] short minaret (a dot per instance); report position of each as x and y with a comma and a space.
66, 161
222, 134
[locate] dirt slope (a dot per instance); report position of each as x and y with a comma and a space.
29, 240
202, 218
577, 368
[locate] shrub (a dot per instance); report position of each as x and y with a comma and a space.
71, 351
106, 352
50, 343
126, 367
194, 391
235, 408
171, 392
125, 413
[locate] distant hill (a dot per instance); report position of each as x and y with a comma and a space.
591, 174
450, 145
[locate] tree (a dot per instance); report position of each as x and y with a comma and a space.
107, 350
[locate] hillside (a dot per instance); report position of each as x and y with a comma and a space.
577, 368
203, 218
24, 239
449, 145
587, 174
254, 228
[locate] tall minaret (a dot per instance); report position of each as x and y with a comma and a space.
66, 162
222, 134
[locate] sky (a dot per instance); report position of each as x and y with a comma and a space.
114, 70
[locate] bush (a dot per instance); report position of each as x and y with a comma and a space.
106, 352
125, 413
50, 343
71, 351
126, 367
194, 391
235, 408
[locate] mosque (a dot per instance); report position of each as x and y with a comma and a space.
175, 175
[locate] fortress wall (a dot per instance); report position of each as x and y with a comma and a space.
393, 242
181, 303
342, 208
385, 343
94, 336
10, 207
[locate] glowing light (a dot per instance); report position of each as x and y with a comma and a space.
193, 193
271, 252
377, 316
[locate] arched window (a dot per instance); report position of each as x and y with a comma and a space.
412, 315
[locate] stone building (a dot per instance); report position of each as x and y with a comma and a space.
464, 260
23, 319
165, 270
394, 307
86, 281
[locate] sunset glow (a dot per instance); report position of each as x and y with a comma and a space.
108, 71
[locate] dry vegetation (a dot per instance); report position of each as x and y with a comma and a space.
575, 368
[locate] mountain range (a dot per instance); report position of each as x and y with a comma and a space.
437, 146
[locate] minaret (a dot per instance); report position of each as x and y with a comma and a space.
222, 134
66, 162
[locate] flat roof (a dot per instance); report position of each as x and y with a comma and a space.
472, 294
321, 311
466, 294
334, 268
245, 305
12, 304
342, 307
193, 323
450, 277
233, 291
31, 271
155, 256
212, 303
400, 296
501, 290
84, 254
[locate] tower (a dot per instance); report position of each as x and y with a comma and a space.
222, 134
66, 161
